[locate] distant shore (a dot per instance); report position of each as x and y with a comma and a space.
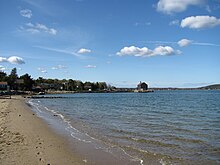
26, 139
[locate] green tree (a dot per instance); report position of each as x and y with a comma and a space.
12, 79
28, 82
40, 80
102, 85
72, 85
79, 85
3, 76
88, 85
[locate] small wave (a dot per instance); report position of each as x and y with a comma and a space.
134, 158
158, 143
35, 105
123, 132
195, 141
80, 139
147, 141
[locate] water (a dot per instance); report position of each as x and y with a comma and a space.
164, 127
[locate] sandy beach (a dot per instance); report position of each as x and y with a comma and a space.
27, 139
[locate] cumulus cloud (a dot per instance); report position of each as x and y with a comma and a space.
176, 6
90, 66
146, 52
12, 60
184, 42
84, 51
16, 60
163, 50
200, 22
134, 51
42, 70
26, 13
3, 59
37, 28
58, 67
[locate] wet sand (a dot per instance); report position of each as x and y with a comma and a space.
27, 139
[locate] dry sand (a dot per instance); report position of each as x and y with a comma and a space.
27, 139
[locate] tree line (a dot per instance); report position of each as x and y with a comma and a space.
26, 83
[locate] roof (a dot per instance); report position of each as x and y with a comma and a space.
3, 83
142, 83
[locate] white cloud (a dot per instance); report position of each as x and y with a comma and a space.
59, 67
174, 22
205, 44
32, 30
2, 68
146, 52
83, 51
26, 13
184, 42
12, 60
163, 50
70, 52
174, 43
90, 66
42, 70
178, 52
37, 28
3, 59
175, 6
15, 60
200, 22
134, 51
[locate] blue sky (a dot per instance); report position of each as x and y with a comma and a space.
166, 43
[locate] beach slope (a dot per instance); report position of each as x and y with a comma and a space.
27, 139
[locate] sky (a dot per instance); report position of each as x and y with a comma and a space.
165, 43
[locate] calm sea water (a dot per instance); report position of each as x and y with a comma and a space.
164, 127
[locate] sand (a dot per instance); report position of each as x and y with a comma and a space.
27, 139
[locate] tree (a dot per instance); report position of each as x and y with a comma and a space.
88, 85
102, 85
12, 79
3, 76
40, 80
28, 82
79, 85
72, 85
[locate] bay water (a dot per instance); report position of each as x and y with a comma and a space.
163, 127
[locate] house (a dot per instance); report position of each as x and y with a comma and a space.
3, 85
142, 86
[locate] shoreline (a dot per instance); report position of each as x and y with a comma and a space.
93, 150
27, 139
